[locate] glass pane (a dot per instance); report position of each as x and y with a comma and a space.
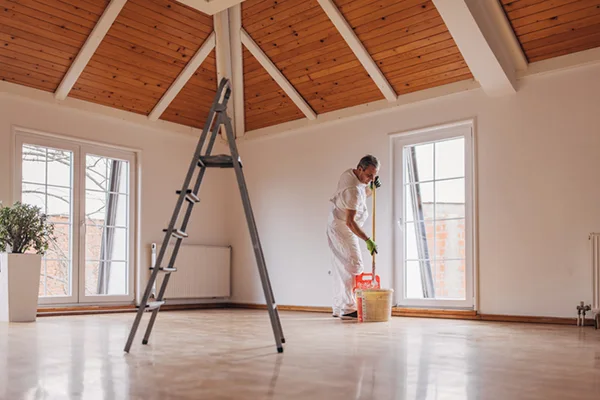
59, 167
418, 199
124, 179
413, 282
34, 164
91, 278
57, 277
34, 195
450, 280
96, 173
116, 243
59, 204
94, 236
117, 278
424, 247
450, 199
420, 158
118, 206
61, 246
117, 175
450, 158
105, 278
95, 208
450, 239
42, 289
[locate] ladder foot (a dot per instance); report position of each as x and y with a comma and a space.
280, 349
144, 341
282, 340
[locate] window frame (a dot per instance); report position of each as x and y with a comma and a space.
80, 148
398, 141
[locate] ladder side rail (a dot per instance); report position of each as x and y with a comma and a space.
262, 269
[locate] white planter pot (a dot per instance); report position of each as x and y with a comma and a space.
19, 285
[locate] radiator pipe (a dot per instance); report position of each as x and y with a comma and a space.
152, 265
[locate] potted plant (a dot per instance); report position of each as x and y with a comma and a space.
25, 234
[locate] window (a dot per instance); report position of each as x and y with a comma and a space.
433, 210
86, 191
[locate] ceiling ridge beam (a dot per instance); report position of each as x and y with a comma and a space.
274, 72
183, 77
224, 59
237, 66
358, 49
483, 49
89, 48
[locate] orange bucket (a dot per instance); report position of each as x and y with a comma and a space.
366, 281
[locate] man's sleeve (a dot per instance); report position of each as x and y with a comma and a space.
350, 198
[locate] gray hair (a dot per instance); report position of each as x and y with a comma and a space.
368, 161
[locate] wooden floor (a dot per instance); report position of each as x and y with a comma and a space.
230, 354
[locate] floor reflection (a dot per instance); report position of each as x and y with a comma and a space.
230, 354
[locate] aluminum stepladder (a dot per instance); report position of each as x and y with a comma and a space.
217, 117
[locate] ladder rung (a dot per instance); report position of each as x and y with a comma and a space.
218, 161
153, 305
190, 196
165, 269
178, 233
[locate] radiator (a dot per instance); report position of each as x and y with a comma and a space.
203, 272
595, 238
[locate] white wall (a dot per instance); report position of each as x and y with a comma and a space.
539, 196
165, 157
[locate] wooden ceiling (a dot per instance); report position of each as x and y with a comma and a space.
145, 49
407, 39
552, 28
151, 42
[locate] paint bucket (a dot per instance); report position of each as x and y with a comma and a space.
374, 305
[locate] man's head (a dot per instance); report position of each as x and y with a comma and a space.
367, 169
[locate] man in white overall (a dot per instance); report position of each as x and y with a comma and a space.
347, 216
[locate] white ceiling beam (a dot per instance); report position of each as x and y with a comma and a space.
496, 21
237, 64
223, 53
183, 77
358, 48
281, 80
224, 59
488, 65
89, 48
210, 7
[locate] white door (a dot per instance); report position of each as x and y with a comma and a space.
87, 192
433, 211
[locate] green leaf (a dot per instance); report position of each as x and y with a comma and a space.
24, 227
